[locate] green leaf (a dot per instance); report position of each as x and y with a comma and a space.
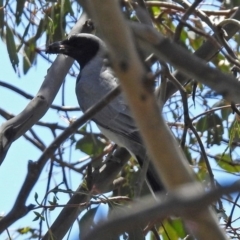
225, 162
225, 112
178, 226
40, 29
24, 230
38, 216
155, 11
211, 123
169, 232
53, 203
202, 124
24, 35
11, 48
202, 172
234, 133
68, 8
56, 18
188, 154
29, 55
173, 229
83, 128
183, 36
36, 196
90, 145
19, 10
195, 42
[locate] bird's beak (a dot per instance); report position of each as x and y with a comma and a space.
56, 47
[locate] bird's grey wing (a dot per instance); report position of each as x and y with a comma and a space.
116, 116
115, 125
116, 122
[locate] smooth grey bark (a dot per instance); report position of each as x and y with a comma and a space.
166, 154
38, 106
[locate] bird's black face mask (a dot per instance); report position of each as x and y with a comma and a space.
82, 49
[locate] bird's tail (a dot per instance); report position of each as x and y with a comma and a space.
152, 176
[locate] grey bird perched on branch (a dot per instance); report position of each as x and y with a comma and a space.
93, 83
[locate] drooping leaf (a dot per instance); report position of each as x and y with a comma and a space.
11, 48
211, 123
225, 162
169, 232
202, 124
225, 112
36, 196
19, 10
68, 8
195, 42
56, 18
194, 89
178, 226
90, 145
234, 134
24, 35
184, 36
40, 29
29, 55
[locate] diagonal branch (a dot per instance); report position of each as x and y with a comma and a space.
175, 204
38, 106
207, 51
190, 65
29, 96
134, 79
35, 168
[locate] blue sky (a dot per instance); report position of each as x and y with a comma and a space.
13, 169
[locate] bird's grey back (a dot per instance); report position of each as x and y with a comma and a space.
94, 82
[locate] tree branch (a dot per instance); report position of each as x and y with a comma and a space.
37, 107
186, 62
35, 168
207, 51
102, 182
166, 154
29, 96
176, 203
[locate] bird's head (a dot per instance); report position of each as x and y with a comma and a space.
82, 47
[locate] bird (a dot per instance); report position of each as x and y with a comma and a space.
95, 80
